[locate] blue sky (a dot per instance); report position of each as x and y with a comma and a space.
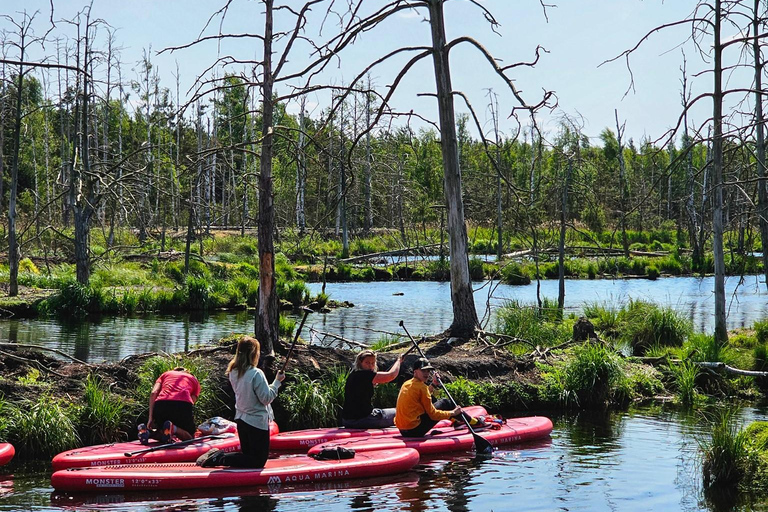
578, 34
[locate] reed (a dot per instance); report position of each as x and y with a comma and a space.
592, 375
102, 414
685, 375
725, 452
309, 403
43, 427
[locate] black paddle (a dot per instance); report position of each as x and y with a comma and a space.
306, 311
482, 446
178, 443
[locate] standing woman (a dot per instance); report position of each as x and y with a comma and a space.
358, 409
253, 396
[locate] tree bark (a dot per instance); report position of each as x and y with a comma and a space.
267, 318
762, 188
465, 319
721, 332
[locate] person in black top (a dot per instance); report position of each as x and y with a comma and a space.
358, 410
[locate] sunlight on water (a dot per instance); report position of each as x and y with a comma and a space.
641, 460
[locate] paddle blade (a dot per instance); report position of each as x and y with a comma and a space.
482, 446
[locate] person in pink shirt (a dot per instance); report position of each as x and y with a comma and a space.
170, 407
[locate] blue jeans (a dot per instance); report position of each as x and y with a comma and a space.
379, 418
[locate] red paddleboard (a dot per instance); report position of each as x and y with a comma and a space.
6, 453
303, 439
283, 470
115, 453
514, 430
171, 499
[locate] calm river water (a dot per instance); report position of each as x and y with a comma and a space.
642, 460
425, 307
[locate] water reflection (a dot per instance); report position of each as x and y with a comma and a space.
379, 306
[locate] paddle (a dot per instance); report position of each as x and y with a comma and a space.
482, 446
307, 311
178, 443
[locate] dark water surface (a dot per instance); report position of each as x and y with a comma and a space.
644, 460
425, 307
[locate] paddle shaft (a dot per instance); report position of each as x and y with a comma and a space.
481, 444
307, 311
177, 443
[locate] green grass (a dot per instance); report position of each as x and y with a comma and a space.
311, 403
685, 374
530, 323
725, 453
42, 428
643, 324
592, 376
102, 413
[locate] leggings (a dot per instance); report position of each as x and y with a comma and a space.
254, 448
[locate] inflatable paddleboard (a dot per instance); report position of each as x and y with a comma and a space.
6, 453
301, 440
514, 430
115, 453
283, 470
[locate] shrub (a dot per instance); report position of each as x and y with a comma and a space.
295, 292
309, 403
761, 331
725, 454
43, 427
512, 273
522, 321
286, 327
644, 324
101, 415
685, 375
592, 375
26, 265
198, 293
476, 269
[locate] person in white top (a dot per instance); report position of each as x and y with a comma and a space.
253, 396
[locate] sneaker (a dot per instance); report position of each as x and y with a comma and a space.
211, 458
166, 436
143, 434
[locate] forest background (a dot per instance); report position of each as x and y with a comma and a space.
84, 146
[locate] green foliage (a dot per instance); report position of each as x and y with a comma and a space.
384, 341
513, 273
605, 317
72, 301
101, 414
592, 376
198, 293
476, 270
703, 347
685, 374
312, 403
526, 322
643, 324
286, 327
761, 331
725, 454
26, 265
43, 427
295, 292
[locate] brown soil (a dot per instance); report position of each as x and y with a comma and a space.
65, 379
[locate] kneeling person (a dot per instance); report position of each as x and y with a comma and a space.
415, 414
358, 410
